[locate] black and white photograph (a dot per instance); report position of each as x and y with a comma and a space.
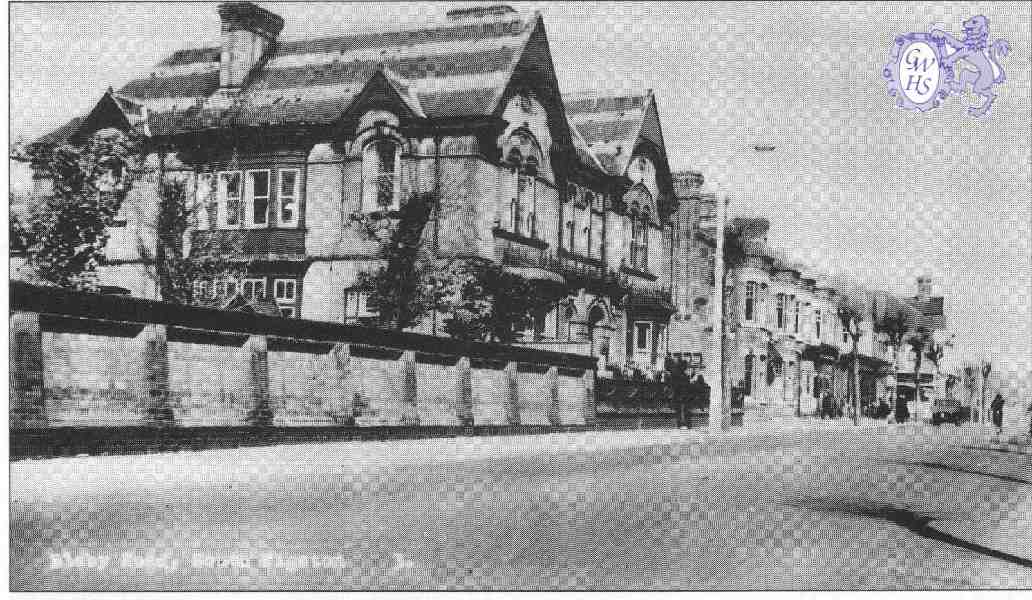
519, 296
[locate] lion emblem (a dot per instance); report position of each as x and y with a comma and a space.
973, 51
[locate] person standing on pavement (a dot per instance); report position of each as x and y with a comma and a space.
997, 408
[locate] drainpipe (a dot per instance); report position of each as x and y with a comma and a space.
437, 211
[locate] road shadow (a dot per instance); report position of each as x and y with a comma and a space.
1004, 450
906, 518
956, 469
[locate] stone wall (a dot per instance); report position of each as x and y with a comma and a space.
78, 370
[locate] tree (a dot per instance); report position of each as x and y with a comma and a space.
894, 324
919, 340
179, 266
851, 313
398, 287
68, 231
486, 303
480, 300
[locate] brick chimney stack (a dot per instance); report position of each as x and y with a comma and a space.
248, 33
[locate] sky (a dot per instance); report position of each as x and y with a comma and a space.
855, 186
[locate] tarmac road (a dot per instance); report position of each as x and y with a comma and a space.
818, 506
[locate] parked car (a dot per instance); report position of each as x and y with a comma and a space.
950, 411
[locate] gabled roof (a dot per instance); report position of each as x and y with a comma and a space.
613, 126
112, 110
453, 70
450, 71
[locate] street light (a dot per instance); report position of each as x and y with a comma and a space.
718, 407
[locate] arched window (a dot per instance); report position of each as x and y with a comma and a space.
526, 193
570, 235
643, 253
523, 158
380, 190
569, 315
571, 193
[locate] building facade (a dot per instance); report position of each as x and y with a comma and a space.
286, 146
786, 344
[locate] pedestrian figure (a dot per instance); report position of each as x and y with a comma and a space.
827, 406
902, 412
997, 408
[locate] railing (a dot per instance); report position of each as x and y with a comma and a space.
576, 268
632, 398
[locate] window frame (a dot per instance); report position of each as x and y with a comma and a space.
201, 289
253, 281
359, 301
779, 310
368, 205
295, 198
249, 198
285, 303
201, 206
749, 303
222, 200
640, 326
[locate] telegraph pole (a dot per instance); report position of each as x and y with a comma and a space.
718, 418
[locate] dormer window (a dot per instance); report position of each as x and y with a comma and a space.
380, 189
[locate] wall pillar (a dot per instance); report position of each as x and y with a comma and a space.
340, 391
555, 417
261, 413
409, 393
464, 392
589, 397
28, 397
512, 394
157, 394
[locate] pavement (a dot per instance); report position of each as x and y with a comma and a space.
806, 505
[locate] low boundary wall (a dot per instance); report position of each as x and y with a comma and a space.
93, 363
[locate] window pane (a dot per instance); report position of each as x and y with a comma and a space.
230, 187
642, 342
288, 183
259, 183
385, 153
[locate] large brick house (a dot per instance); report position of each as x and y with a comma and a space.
282, 142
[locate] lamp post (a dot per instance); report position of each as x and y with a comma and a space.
718, 408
